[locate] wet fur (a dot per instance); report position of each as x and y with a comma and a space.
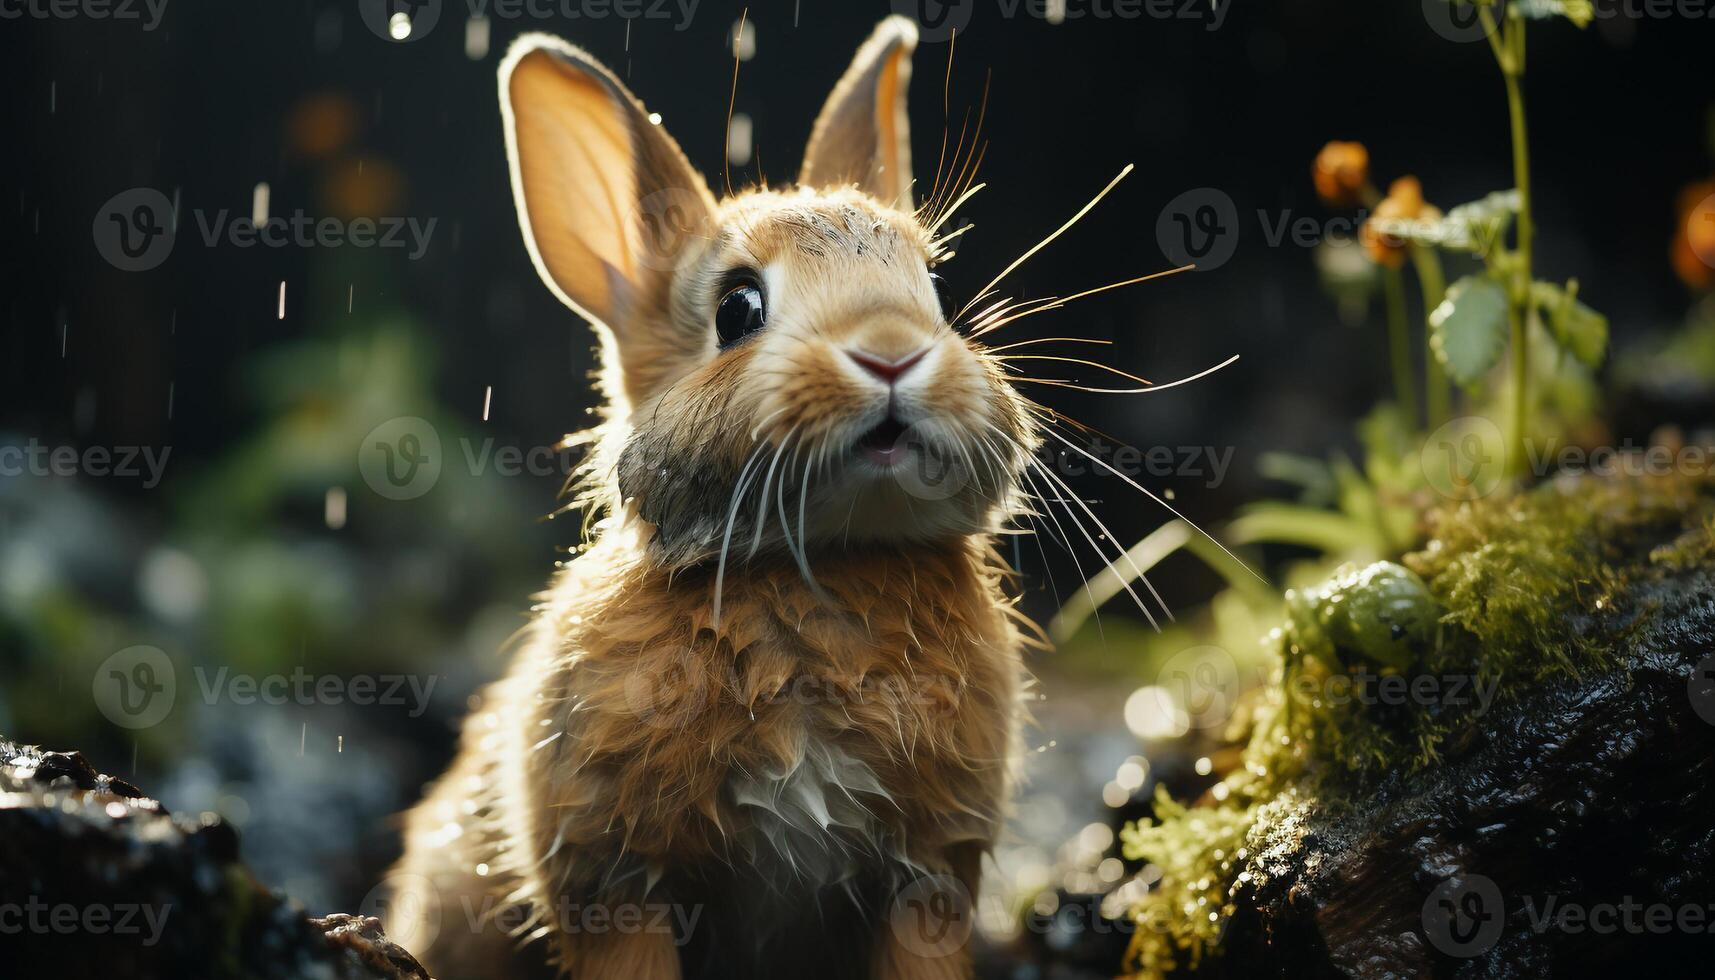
849, 723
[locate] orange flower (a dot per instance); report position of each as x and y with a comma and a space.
1404, 200
1693, 250
1340, 173
320, 125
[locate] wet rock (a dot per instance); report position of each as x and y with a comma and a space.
1564, 828
1576, 837
98, 880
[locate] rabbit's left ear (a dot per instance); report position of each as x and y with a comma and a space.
862, 136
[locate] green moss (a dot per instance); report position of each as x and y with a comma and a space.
1519, 589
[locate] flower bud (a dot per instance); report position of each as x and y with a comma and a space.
1340, 173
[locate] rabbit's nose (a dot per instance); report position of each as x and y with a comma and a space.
888, 371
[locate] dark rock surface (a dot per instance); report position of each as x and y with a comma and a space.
97, 880
1571, 833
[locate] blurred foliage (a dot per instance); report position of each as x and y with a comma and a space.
271, 559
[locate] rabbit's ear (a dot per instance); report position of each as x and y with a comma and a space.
862, 136
606, 199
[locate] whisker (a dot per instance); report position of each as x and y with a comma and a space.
1056, 234
1054, 303
1078, 360
1045, 340
1134, 391
732, 100
946, 93
936, 190
803, 535
1054, 480
954, 207
937, 245
726, 542
762, 498
801, 552
1079, 565
1164, 504
970, 170
1058, 536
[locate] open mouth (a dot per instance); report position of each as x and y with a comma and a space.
882, 445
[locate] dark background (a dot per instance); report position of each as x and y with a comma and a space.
267, 411
200, 105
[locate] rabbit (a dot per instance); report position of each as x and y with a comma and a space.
766, 722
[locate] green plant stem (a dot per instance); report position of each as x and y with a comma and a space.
1508, 45
1526, 232
1399, 345
1437, 394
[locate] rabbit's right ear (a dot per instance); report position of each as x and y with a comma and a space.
606, 199
862, 135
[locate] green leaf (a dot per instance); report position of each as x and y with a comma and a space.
1469, 328
1579, 12
1329, 532
1579, 330
1476, 227
1308, 473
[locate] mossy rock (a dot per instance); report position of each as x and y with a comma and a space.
1550, 830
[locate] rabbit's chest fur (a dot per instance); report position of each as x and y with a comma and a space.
872, 729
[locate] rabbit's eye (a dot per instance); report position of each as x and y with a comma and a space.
739, 314
944, 293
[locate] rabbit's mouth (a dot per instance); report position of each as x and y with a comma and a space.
885, 445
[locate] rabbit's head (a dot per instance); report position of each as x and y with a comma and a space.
778, 365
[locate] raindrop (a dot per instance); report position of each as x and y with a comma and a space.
259, 203
742, 37
738, 140
476, 37
333, 508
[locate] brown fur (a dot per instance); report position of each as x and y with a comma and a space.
778, 686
